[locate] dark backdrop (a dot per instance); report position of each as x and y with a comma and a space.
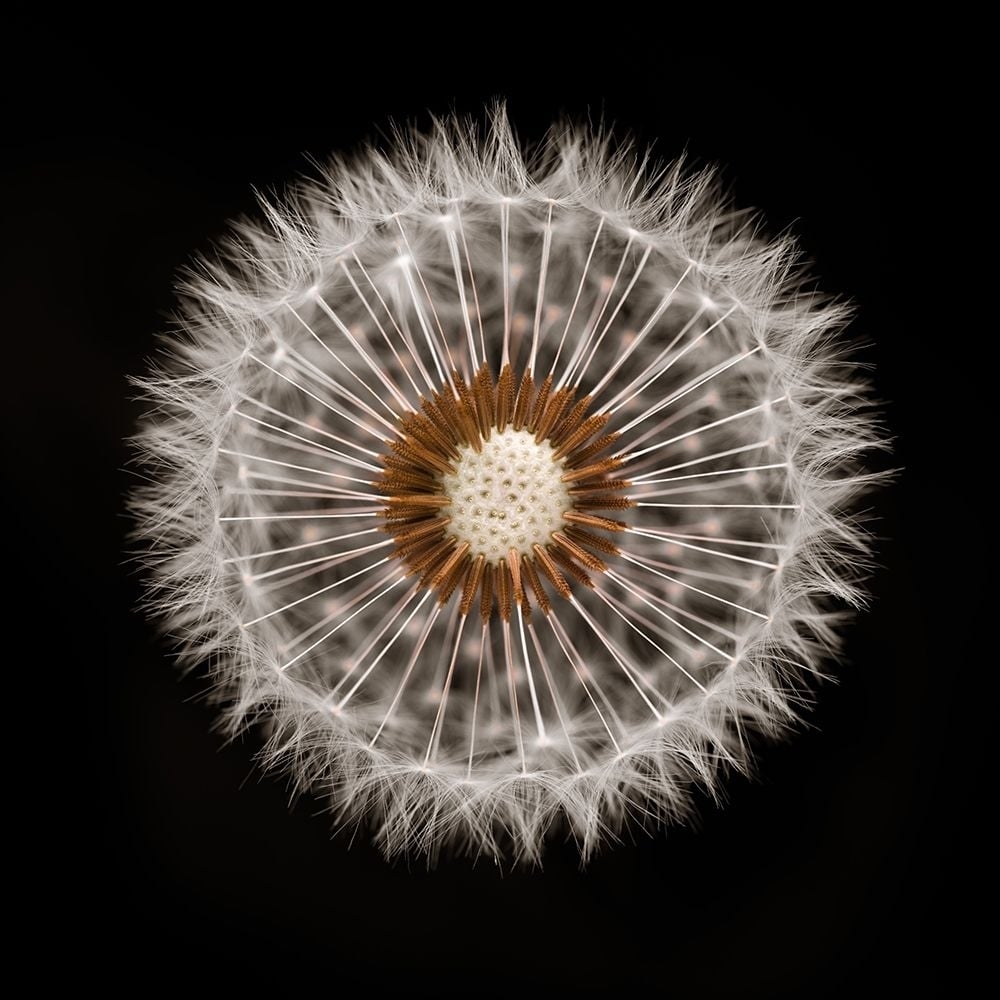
824, 875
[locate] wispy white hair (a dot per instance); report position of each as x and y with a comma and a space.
744, 426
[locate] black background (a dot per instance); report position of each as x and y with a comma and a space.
826, 874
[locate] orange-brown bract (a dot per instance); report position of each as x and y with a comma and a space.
466, 416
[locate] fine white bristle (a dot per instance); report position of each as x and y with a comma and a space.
572, 397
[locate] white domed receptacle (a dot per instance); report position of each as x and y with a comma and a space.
508, 495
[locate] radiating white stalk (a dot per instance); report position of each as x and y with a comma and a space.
737, 424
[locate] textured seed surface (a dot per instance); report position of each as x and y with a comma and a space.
507, 496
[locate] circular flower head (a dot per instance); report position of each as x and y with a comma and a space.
510, 492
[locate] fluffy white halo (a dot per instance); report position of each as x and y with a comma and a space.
431, 646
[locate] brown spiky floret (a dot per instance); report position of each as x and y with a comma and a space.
535, 584
465, 414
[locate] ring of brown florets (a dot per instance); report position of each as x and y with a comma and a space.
428, 451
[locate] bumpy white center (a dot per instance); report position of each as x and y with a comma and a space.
507, 496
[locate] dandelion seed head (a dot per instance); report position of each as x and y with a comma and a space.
510, 488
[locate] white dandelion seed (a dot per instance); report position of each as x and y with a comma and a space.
510, 491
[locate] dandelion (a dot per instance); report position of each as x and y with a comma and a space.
510, 492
